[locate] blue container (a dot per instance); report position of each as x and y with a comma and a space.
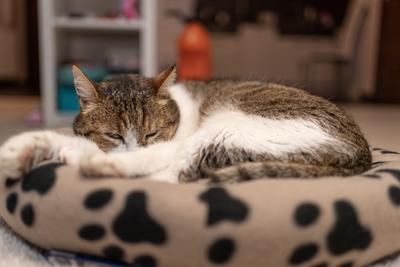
68, 100
94, 72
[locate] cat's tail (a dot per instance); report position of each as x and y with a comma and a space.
271, 169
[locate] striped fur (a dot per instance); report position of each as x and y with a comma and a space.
217, 131
229, 131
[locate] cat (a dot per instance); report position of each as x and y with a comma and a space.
209, 131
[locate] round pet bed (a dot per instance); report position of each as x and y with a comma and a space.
330, 221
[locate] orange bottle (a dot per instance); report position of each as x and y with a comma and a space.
194, 53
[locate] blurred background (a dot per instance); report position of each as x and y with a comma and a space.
344, 50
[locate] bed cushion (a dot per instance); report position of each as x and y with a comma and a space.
329, 221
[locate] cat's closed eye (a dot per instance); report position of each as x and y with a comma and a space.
115, 136
151, 135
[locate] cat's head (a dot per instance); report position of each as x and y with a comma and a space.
126, 111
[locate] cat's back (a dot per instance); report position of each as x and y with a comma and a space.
257, 98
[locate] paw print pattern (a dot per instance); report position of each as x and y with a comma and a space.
10, 182
28, 215
98, 199
394, 195
27, 212
306, 214
393, 190
12, 202
223, 207
133, 224
346, 235
92, 232
114, 252
145, 261
221, 251
303, 254
40, 181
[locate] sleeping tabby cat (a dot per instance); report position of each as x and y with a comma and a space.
220, 131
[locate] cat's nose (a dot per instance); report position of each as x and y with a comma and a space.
131, 141
131, 145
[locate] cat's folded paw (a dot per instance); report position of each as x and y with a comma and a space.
70, 155
102, 165
22, 152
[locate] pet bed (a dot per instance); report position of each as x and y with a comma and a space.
332, 221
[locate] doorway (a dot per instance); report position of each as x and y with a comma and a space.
388, 82
19, 69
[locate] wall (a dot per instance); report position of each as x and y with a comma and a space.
258, 51
169, 29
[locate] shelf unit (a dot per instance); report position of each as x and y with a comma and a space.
98, 24
55, 25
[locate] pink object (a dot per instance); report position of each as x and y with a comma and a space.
129, 9
35, 117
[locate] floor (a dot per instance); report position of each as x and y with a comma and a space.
13, 114
380, 123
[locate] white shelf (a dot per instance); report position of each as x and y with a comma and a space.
98, 24
54, 28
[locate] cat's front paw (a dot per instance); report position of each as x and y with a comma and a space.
22, 152
102, 165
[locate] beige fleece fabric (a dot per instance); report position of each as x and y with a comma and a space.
330, 221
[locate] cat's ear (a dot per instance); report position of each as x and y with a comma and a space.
85, 88
165, 79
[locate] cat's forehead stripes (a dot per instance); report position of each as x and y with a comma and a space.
126, 88
125, 121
